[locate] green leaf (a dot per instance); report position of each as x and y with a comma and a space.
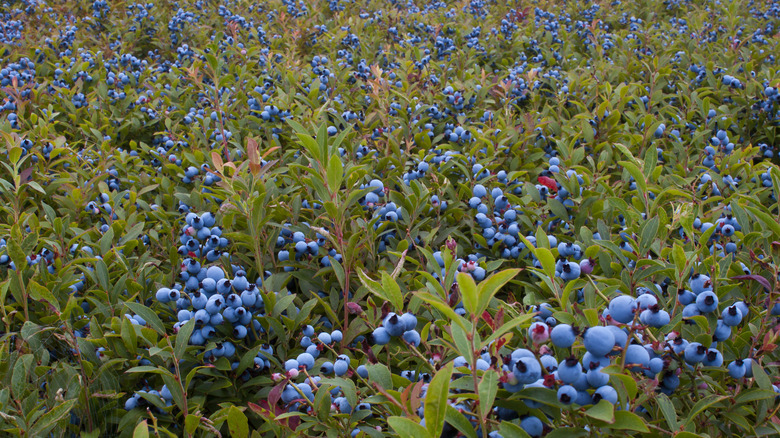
38, 293
22, 367
602, 411
129, 337
101, 272
347, 387
678, 256
436, 400
16, 253
468, 291
132, 233
380, 374
647, 234
141, 430
461, 342
558, 209
686, 434
753, 395
335, 173
191, 423
388, 290
183, 338
629, 382
488, 388
507, 327
148, 315
625, 420
511, 430
445, 309
238, 424
105, 241
177, 393
491, 285
667, 410
150, 369
458, 421
407, 428
702, 405
393, 292
760, 376
765, 219
547, 260
51, 418
636, 173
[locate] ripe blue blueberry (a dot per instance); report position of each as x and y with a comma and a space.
599, 340
563, 336
707, 302
527, 370
567, 394
569, 370
622, 308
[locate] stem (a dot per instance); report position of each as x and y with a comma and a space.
25, 304
178, 379
474, 371
85, 387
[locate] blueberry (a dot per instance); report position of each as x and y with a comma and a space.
637, 357
380, 336
569, 370
563, 336
737, 369
412, 337
731, 316
596, 378
607, 393
713, 358
599, 341
527, 370
325, 338
567, 394
305, 360
695, 353
393, 324
532, 426
707, 302
622, 308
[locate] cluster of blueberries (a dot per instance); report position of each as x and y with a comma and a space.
225, 307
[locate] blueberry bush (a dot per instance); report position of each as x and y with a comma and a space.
385, 218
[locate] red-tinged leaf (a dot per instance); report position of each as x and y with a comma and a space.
253, 151
354, 308
416, 400
217, 160
368, 352
763, 281
499, 317
489, 319
276, 394
25, 175
548, 182
454, 296
257, 409
405, 394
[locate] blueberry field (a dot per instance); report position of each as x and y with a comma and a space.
295, 218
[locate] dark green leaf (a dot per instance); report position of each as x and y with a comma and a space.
148, 315
436, 400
